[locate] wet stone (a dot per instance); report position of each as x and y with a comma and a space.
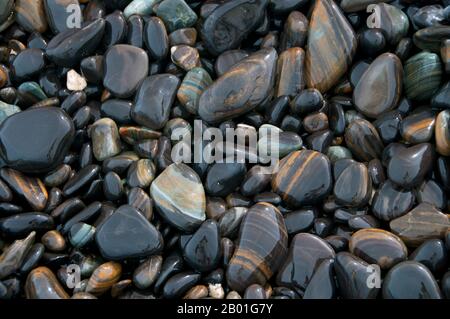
230, 23
179, 197
410, 280
227, 60
49, 145
58, 15
295, 31
419, 126
419, 86
222, 100
223, 178
176, 14
13, 256
261, 248
433, 254
290, 72
154, 100
354, 186
305, 254
42, 283
420, 224
185, 57
156, 38
81, 180
125, 69
326, 58
71, 46
105, 139
28, 64
310, 169
192, 86
146, 273
54, 241
409, 166
127, 234
203, 251
322, 284
380, 87
391, 201
363, 140
378, 246
103, 278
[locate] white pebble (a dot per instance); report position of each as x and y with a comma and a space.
75, 82
216, 291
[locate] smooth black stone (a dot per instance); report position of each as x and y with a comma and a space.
7, 209
305, 252
443, 171
82, 117
433, 254
224, 178
268, 197
322, 284
49, 82
388, 126
336, 117
28, 63
353, 187
5, 192
215, 277
156, 38
410, 280
339, 243
68, 209
179, 284
255, 181
432, 193
419, 126
92, 69
154, 100
125, 68
352, 276
117, 110
119, 164
172, 264
363, 140
86, 156
428, 16
230, 23
58, 14
127, 234
306, 102
357, 71
362, 222
277, 110
227, 60
115, 29
36, 41
230, 221
112, 186
22, 224
32, 258
55, 197
135, 36
68, 48
87, 214
81, 179
409, 166
323, 226
52, 131
291, 123
371, 42
441, 99
340, 165
391, 201
320, 141
255, 291
300, 221
445, 284
74, 101
203, 251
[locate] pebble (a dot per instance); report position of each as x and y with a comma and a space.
353, 187
391, 201
326, 58
169, 191
322, 284
103, 278
433, 254
127, 234
125, 68
261, 247
105, 139
410, 280
420, 224
146, 273
54, 241
75, 82
42, 283
13, 256
48, 147
58, 15
176, 14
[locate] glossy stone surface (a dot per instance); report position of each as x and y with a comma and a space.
410, 280
378, 246
222, 100
419, 126
306, 252
58, 15
179, 197
417, 85
326, 58
71, 46
230, 23
27, 187
322, 284
13, 256
393, 21
391, 201
363, 140
309, 169
156, 38
409, 166
191, 88
125, 69
154, 100
380, 87
176, 14
290, 72
203, 251
261, 248
48, 147
353, 187
223, 178
42, 283
420, 224
103, 278
352, 276
105, 139
127, 234
442, 133
147, 272
433, 254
